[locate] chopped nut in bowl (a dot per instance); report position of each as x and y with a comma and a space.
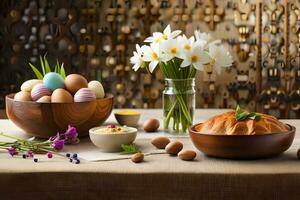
110, 138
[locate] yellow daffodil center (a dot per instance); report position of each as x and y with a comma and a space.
165, 37
194, 58
187, 47
213, 61
154, 56
157, 40
173, 50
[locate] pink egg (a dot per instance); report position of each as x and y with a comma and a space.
39, 91
84, 95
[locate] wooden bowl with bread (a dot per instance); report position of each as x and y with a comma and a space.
46, 119
227, 136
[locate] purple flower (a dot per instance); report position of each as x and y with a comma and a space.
58, 144
71, 135
12, 151
52, 138
71, 132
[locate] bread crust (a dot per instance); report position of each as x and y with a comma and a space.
226, 124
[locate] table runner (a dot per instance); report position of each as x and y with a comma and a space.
159, 177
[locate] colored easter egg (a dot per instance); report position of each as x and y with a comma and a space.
53, 81
97, 88
23, 96
29, 84
61, 96
74, 82
84, 95
39, 91
44, 99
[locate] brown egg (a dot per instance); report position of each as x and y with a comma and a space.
151, 125
44, 99
23, 96
61, 96
74, 82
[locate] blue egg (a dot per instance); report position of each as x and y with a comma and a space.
53, 81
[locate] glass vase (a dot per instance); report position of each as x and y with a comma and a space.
178, 105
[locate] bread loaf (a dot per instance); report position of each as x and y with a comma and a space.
226, 124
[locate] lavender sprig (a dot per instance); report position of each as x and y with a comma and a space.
27, 148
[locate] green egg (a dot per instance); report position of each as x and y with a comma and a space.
53, 81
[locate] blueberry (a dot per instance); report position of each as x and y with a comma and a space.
71, 160
68, 155
35, 160
24, 156
74, 155
77, 161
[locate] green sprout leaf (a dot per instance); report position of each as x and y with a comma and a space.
46, 64
62, 71
42, 65
58, 68
129, 149
36, 72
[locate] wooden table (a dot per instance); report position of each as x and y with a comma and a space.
159, 177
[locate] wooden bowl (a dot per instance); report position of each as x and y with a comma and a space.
242, 146
46, 119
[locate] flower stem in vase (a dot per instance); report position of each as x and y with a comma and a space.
179, 100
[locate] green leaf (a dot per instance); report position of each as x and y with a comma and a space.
129, 149
62, 71
47, 66
238, 109
42, 65
254, 116
241, 115
36, 72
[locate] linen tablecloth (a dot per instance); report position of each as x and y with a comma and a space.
158, 177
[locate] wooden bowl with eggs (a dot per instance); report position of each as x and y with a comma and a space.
46, 119
44, 107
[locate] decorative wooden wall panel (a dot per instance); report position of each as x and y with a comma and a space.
96, 38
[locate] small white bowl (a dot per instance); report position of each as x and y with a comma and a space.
112, 142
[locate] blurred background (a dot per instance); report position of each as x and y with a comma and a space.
96, 38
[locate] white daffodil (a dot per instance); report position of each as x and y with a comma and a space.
137, 58
185, 43
206, 37
157, 37
152, 55
169, 49
196, 57
219, 57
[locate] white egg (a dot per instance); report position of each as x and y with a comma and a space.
28, 85
97, 88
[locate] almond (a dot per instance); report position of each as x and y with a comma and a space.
137, 157
151, 125
174, 147
187, 155
160, 142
